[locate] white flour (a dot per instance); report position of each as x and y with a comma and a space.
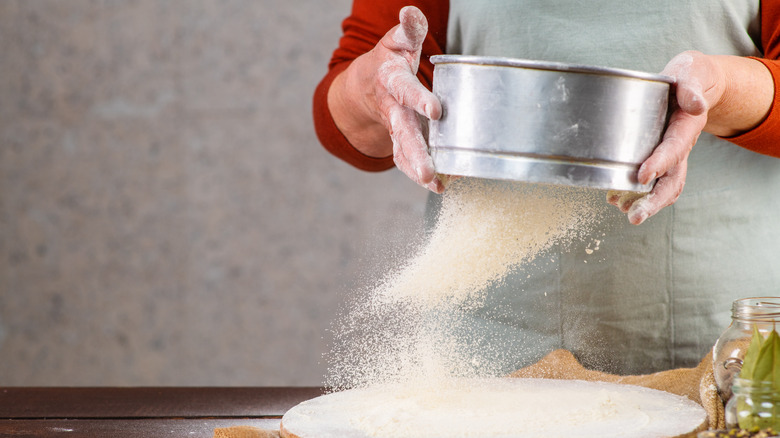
417, 365
498, 407
484, 229
416, 324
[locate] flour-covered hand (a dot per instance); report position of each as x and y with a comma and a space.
698, 85
383, 85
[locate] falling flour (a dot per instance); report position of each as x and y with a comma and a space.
484, 229
416, 323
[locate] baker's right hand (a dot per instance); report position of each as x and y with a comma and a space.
384, 81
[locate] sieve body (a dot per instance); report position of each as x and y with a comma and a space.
544, 122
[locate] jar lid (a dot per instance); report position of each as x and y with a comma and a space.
757, 309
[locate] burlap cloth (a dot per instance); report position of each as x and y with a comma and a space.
697, 384
245, 432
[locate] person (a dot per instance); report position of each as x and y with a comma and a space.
661, 292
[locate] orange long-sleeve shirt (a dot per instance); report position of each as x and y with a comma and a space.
369, 21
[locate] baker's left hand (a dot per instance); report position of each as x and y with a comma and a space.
699, 84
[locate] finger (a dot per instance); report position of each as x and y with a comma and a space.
412, 29
409, 34
690, 97
402, 163
688, 89
409, 145
623, 200
627, 199
407, 90
665, 193
613, 196
699, 82
436, 186
680, 136
446, 180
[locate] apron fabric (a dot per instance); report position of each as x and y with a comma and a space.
654, 296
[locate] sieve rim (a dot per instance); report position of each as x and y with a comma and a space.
549, 65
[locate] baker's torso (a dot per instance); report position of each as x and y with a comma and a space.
654, 296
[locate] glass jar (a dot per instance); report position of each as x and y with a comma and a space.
754, 404
729, 350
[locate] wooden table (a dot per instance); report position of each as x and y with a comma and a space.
142, 412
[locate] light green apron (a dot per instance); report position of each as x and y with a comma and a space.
654, 296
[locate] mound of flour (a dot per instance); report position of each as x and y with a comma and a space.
498, 407
414, 324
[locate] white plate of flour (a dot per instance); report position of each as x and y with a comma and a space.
495, 407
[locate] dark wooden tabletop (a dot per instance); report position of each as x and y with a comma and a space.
142, 412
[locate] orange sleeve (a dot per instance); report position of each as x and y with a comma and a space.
765, 138
362, 30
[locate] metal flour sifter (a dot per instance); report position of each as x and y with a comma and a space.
546, 122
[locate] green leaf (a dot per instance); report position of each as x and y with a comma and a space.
761, 364
744, 419
776, 369
765, 362
749, 362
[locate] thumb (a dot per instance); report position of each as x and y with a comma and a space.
690, 97
689, 70
410, 34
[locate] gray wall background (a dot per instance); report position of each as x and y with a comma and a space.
167, 216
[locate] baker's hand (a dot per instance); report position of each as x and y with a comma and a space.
699, 84
384, 82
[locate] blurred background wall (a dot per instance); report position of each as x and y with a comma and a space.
167, 216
